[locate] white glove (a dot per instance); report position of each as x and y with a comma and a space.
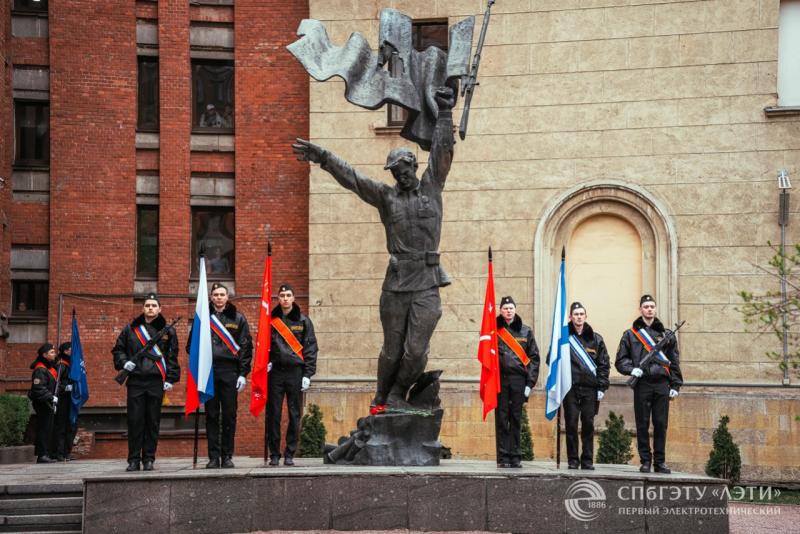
167, 386
55, 401
637, 372
269, 367
129, 366
306, 383
673, 393
240, 382
68, 388
527, 391
600, 395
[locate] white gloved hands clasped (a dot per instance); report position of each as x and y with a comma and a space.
167, 386
129, 366
269, 367
240, 383
305, 384
637, 372
68, 388
600, 395
55, 400
673, 393
527, 391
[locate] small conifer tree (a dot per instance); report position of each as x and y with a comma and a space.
615, 442
312, 433
526, 437
724, 460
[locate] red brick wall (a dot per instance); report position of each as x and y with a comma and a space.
90, 221
6, 148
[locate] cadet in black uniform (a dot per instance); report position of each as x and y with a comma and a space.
660, 382
232, 348
148, 380
63, 431
42, 394
292, 361
590, 366
519, 370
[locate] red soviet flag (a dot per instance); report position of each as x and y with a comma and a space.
487, 348
258, 389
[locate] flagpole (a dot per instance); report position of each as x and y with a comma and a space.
197, 410
558, 438
266, 415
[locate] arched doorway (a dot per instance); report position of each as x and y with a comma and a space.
604, 272
592, 221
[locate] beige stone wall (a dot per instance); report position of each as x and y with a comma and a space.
667, 96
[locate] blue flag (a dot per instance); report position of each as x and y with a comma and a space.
77, 374
559, 379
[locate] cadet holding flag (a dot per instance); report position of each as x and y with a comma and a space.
590, 368
149, 378
519, 370
232, 351
63, 430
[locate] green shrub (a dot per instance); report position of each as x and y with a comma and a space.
615, 442
312, 433
15, 411
526, 437
724, 460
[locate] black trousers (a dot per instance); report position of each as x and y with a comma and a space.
63, 431
44, 427
580, 404
284, 383
144, 417
508, 417
651, 400
225, 403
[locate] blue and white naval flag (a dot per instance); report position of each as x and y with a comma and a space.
559, 378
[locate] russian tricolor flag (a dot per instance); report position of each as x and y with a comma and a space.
200, 383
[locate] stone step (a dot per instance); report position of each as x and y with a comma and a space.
40, 522
41, 505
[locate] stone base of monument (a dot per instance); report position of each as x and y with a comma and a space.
405, 434
457, 495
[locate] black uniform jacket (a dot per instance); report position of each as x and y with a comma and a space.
236, 324
128, 345
596, 349
43, 384
281, 354
631, 352
509, 361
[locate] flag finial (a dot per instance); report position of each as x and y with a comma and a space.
563, 252
73, 312
202, 251
490, 253
269, 239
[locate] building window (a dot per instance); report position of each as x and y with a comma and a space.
30, 6
29, 298
146, 242
212, 96
423, 35
789, 54
147, 120
31, 133
29, 281
213, 229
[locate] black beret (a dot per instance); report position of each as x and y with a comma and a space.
218, 285
646, 298
576, 306
285, 287
507, 300
44, 349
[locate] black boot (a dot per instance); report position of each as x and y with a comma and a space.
227, 463
148, 465
213, 463
133, 465
44, 459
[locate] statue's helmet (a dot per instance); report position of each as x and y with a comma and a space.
400, 154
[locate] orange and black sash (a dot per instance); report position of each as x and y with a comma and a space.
288, 336
50, 370
514, 345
